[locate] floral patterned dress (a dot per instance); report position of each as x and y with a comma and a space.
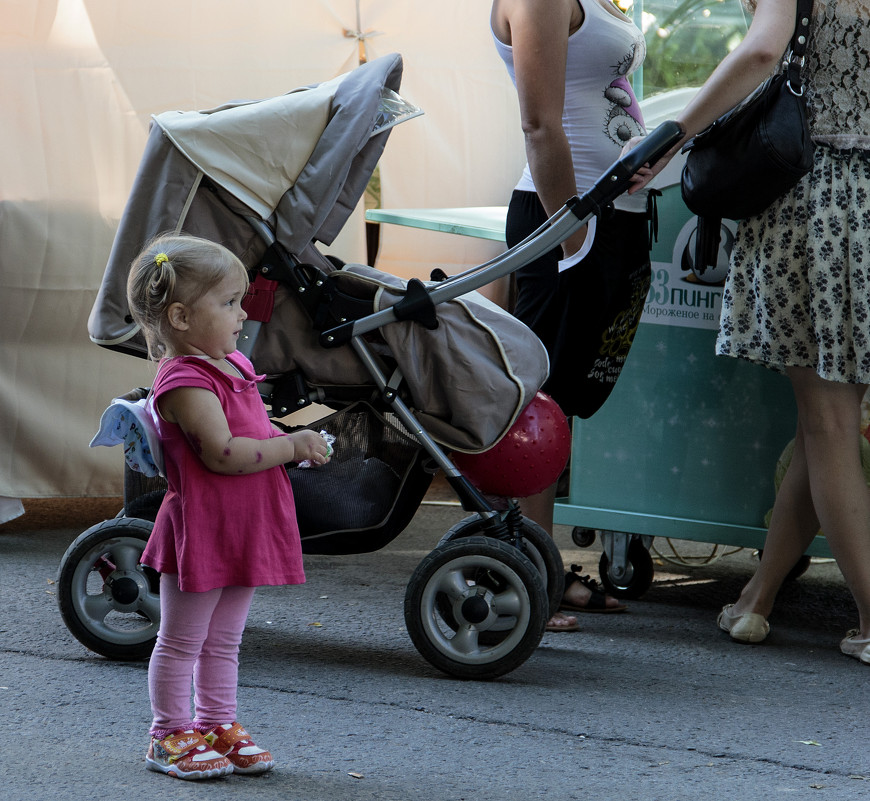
798, 292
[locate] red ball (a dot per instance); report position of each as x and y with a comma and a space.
526, 460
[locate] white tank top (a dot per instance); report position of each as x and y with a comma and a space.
601, 112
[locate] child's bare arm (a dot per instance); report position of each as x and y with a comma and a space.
201, 417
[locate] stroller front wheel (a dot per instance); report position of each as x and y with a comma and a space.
487, 585
536, 544
107, 599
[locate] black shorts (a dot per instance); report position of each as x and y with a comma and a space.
586, 316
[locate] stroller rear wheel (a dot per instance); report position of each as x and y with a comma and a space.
108, 600
487, 585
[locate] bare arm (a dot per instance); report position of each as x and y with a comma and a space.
737, 76
201, 417
539, 38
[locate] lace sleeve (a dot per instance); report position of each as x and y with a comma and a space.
838, 73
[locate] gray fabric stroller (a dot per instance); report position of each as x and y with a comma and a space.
269, 180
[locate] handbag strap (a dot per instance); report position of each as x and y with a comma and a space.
798, 47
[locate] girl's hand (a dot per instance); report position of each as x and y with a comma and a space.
309, 446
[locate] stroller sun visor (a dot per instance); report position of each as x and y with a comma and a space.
256, 150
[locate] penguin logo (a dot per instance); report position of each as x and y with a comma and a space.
712, 275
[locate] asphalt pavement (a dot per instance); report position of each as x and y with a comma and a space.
655, 704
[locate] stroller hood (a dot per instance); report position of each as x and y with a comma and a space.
300, 162
256, 151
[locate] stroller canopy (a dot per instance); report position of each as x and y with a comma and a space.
300, 162
256, 151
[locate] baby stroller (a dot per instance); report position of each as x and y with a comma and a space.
270, 179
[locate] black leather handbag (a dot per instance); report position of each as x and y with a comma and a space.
756, 152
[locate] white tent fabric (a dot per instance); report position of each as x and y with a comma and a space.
81, 80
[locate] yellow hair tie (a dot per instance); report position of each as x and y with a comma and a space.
160, 258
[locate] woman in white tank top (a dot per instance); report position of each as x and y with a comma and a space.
570, 61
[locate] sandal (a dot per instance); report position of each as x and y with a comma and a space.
597, 600
551, 626
234, 743
186, 755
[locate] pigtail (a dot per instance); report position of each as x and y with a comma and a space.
161, 286
151, 288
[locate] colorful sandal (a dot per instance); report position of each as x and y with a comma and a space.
186, 755
233, 742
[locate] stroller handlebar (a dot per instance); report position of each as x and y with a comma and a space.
577, 211
617, 178
652, 147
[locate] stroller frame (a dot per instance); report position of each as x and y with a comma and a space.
477, 606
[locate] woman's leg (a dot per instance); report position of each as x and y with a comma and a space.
216, 672
823, 487
830, 414
539, 508
184, 624
793, 524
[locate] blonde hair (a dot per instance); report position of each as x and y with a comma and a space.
174, 268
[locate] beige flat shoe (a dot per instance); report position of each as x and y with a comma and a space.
750, 627
853, 646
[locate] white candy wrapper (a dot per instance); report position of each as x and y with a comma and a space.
330, 439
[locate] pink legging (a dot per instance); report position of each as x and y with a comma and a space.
198, 643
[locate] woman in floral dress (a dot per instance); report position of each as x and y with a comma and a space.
797, 298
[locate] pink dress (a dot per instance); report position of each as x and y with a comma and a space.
215, 530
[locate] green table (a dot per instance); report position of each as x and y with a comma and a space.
483, 222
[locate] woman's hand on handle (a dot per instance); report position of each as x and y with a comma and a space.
734, 79
649, 171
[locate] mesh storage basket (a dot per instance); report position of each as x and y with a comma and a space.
368, 492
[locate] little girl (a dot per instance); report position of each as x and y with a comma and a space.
227, 523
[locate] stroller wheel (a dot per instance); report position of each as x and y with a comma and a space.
487, 586
536, 544
108, 601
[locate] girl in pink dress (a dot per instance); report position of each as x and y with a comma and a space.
227, 523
